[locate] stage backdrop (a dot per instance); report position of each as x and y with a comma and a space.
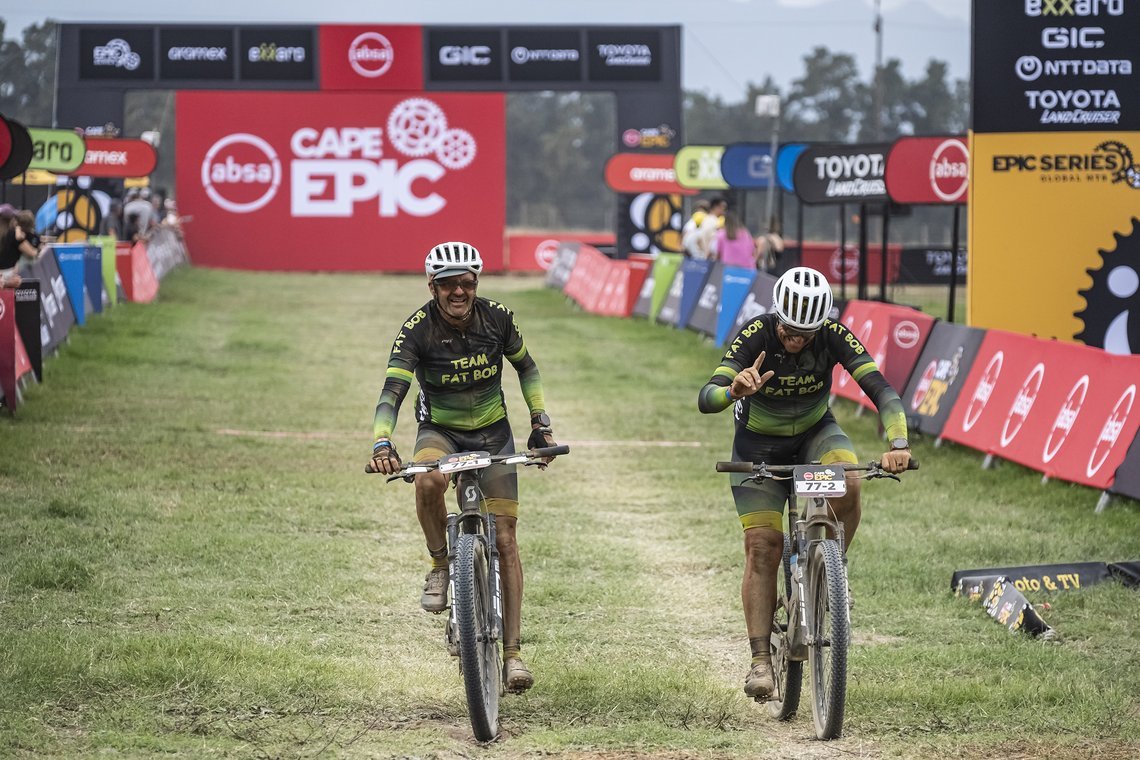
339, 181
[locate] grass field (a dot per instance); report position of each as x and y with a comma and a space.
192, 563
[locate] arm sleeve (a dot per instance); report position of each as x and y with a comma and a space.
863, 369
397, 380
514, 348
713, 396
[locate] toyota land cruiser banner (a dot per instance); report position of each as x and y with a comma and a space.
339, 181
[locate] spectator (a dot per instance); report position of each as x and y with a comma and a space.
769, 247
689, 230
19, 239
734, 244
706, 232
139, 213
113, 223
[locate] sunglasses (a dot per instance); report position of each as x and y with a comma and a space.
792, 332
450, 284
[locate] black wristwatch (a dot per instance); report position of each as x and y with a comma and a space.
540, 419
899, 444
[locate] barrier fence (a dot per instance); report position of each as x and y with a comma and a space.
68, 284
1066, 410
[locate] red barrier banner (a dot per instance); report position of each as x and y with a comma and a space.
117, 157
870, 322
837, 265
528, 252
639, 268
364, 181
135, 272
907, 334
372, 57
14, 362
1067, 410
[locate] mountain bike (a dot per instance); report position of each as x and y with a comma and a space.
475, 621
812, 619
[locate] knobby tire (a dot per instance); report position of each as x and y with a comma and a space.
478, 649
827, 594
789, 674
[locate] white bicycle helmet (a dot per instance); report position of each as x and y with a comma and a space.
802, 298
450, 259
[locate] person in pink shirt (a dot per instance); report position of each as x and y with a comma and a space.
734, 244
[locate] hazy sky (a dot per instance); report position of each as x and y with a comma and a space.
725, 43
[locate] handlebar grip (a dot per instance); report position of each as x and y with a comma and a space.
734, 467
551, 451
913, 465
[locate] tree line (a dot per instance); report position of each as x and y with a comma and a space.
558, 143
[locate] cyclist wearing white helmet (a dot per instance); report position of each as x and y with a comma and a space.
454, 346
776, 375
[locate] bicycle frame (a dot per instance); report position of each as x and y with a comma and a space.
474, 518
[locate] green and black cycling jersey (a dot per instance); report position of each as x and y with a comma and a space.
459, 371
797, 395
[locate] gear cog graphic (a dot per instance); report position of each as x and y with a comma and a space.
415, 127
1112, 304
455, 148
1128, 172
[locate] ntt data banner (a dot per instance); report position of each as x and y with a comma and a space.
343, 181
1054, 65
1066, 410
1063, 208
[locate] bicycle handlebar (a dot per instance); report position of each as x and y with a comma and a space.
526, 458
750, 468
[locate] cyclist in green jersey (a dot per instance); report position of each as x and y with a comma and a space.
776, 376
454, 346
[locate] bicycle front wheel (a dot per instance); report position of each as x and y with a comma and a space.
788, 672
831, 635
478, 648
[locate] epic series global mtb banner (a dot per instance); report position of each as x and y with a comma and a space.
339, 181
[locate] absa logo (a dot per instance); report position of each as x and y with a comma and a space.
1066, 418
371, 55
1022, 404
950, 170
982, 391
241, 173
1110, 433
545, 253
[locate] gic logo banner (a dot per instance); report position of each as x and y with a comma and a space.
399, 167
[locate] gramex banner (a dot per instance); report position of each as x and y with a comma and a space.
339, 181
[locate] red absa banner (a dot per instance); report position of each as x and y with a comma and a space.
372, 57
828, 258
339, 181
928, 170
115, 157
1067, 410
876, 326
535, 253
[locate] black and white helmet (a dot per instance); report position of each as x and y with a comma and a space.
450, 259
802, 298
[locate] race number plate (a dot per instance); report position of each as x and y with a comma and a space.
468, 460
820, 480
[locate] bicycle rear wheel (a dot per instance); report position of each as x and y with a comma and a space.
478, 648
831, 629
789, 673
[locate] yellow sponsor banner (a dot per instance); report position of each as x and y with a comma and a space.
35, 177
1043, 207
